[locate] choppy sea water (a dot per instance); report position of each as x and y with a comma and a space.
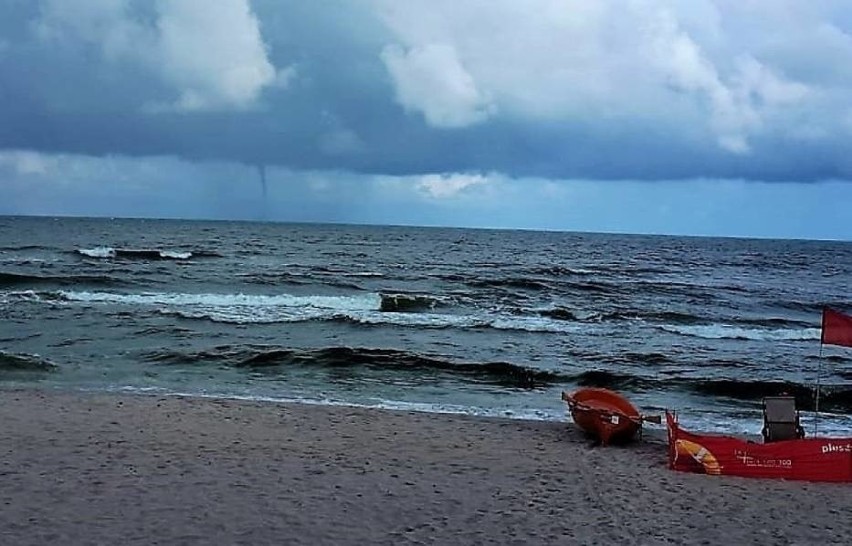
483, 322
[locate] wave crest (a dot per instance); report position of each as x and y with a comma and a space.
722, 331
110, 253
25, 362
499, 373
402, 303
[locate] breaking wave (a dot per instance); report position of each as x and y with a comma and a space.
499, 373
402, 303
412, 310
571, 315
237, 308
107, 252
833, 397
25, 362
680, 322
721, 331
364, 309
837, 397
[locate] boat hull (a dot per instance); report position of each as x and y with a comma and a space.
809, 459
604, 414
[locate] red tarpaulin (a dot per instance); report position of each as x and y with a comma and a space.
836, 328
811, 459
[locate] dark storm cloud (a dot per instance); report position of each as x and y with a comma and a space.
365, 88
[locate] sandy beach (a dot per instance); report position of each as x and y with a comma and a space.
127, 469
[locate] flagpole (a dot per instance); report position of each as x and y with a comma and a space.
816, 402
819, 370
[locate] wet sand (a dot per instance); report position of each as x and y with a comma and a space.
127, 469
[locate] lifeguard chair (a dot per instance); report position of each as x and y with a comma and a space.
781, 419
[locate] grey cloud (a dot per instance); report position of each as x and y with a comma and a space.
527, 113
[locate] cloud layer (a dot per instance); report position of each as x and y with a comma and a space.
211, 58
610, 89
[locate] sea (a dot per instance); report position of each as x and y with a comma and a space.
470, 321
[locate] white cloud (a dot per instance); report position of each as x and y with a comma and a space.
682, 62
432, 80
104, 23
738, 106
584, 76
211, 53
436, 187
576, 60
445, 186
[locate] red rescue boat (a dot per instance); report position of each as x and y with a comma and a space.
809, 459
785, 453
605, 414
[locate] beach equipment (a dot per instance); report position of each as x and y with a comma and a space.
605, 414
781, 419
810, 459
785, 452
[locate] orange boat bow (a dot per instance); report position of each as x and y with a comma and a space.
604, 414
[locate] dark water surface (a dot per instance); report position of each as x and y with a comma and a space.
475, 321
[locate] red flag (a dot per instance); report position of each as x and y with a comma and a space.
836, 328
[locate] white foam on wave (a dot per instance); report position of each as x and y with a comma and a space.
108, 252
374, 274
580, 271
440, 320
98, 252
22, 261
22, 295
722, 331
535, 324
175, 255
153, 298
267, 309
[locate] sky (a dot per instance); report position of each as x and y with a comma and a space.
693, 117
